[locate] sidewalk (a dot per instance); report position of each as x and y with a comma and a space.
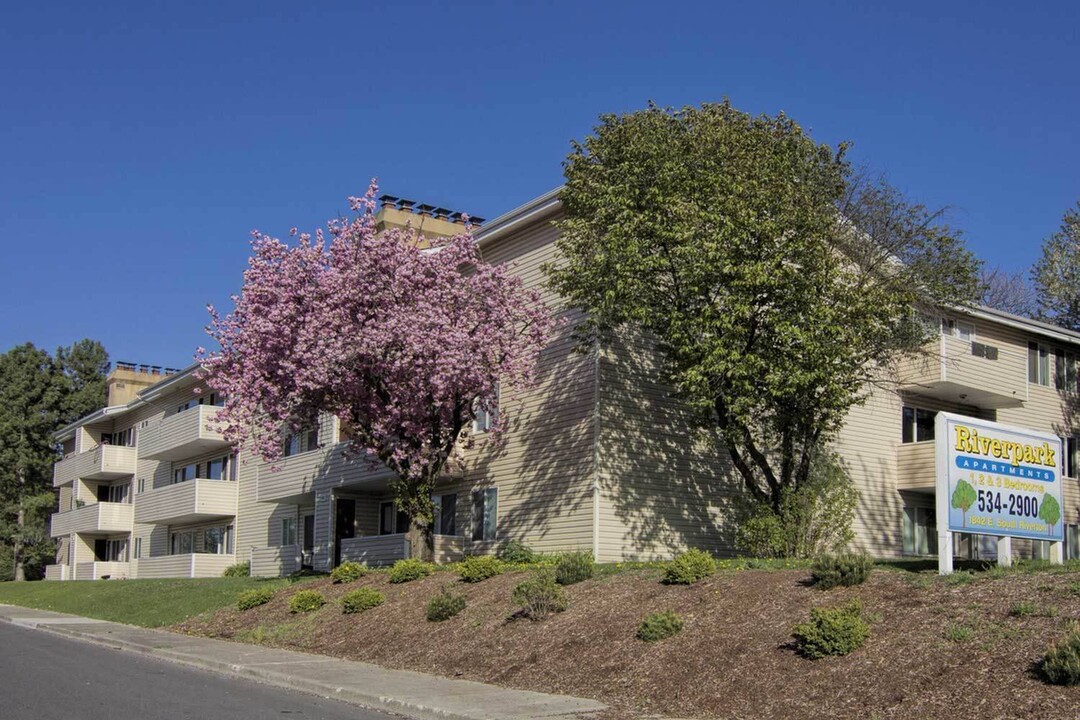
412, 694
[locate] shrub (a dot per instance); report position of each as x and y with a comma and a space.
444, 606
814, 519
689, 567
846, 569
306, 601
360, 600
348, 572
479, 567
240, 569
540, 595
253, 598
659, 626
1061, 664
832, 631
408, 570
1022, 609
574, 567
516, 552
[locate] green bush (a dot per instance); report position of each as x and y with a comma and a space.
659, 626
479, 567
1061, 664
360, 600
814, 519
306, 601
689, 567
253, 598
408, 570
540, 595
574, 567
832, 631
240, 569
845, 569
516, 552
348, 572
444, 606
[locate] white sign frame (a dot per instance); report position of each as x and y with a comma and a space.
945, 455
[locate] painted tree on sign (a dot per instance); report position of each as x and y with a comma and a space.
963, 498
406, 343
1050, 512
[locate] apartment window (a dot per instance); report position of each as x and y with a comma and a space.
485, 512
392, 520
920, 531
142, 485
233, 463
1072, 542
445, 514
288, 531
185, 473
123, 438
300, 442
486, 418
218, 468
1065, 371
114, 551
958, 329
182, 543
217, 541
1071, 461
117, 493
918, 424
1038, 364
186, 405
215, 399
138, 548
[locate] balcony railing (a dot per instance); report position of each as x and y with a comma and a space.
98, 518
275, 561
187, 502
375, 549
105, 462
102, 570
191, 565
915, 468
182, 435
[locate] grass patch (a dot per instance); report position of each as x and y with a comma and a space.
147, 603
958, 633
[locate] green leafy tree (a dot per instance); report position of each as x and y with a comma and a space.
1057, 273
963, 498
776, 283
1050, 512
39, 394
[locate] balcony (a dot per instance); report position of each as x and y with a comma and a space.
182, 435
915, 468
102, 570
990, 375
97, 518
187, 502
105, 462
191, 565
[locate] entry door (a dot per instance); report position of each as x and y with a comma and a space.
309, 540
345, 527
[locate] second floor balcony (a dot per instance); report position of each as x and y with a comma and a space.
969, 372
182, 435
104, 462
96, 518
193, 501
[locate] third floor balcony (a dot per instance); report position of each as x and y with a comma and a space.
182, 435
104, 462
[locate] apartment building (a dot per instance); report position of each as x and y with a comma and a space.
597, 456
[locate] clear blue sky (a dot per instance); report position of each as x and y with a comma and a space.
139, 145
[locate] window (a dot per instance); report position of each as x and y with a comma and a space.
1040, 550
186, 405
445, 514
392, 520
233, 462
486, 418
217, 541
118, 493
288, 531
485, 510
1065, 371
181, 543
123, 438
142, 485
1071, 461
185, 473
918, 424
920, 531
958, 329
115, 551
218, 469
138, 548
1038, 364
1072, 542
300, 442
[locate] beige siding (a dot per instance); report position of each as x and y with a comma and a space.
275, 561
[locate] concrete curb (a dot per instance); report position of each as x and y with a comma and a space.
401, 692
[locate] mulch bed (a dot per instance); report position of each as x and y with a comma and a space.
733, 659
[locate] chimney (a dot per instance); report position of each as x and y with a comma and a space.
127, 379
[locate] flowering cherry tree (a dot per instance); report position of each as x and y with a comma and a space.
404, 341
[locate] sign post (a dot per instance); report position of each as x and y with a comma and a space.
993, 479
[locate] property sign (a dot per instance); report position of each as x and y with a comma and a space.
993, 479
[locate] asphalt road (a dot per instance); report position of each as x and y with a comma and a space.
46, 677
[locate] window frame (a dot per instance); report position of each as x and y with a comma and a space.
910, 429
485, 514
1039, 364
288, 531
442, 513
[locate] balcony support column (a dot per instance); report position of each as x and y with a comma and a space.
1004, 551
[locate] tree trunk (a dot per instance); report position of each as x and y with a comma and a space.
421, 542
20, 524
